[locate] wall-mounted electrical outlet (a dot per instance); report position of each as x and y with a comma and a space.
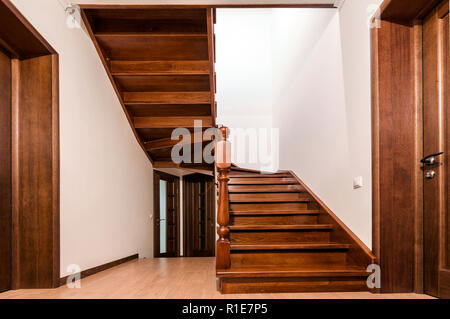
357, 182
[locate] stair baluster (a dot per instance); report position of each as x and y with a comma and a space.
223, 260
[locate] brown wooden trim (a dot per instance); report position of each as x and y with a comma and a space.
418, 98
87, 23
24, 22
443, 9
394, 152
406, 10
55, 170
398, 42
212, 59
376, 244
192, 6
15, 76
444, 280
94, 270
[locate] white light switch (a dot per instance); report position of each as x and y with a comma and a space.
357, 182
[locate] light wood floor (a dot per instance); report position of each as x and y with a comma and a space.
183, 278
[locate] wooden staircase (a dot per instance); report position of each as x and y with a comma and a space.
282, 238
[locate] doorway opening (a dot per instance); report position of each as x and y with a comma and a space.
186, 229
199, 234
167, 215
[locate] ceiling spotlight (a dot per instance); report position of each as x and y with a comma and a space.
73, 19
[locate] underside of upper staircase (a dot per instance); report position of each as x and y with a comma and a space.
161, 64
284, 239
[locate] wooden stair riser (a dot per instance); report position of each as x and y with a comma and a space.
272, 207
155, 48
274, 220
313, 206
274, 237
315, 272
269, 197
289, 258
265, 188
283, 284
262, 181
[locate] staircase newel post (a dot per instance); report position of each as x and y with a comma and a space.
223, 163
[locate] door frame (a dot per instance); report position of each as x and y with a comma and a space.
397, 144
157, 176
35, 153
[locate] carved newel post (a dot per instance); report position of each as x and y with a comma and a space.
223, 163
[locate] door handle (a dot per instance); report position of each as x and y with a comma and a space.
431, 159
430, 174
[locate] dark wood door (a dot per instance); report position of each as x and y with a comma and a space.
5, 172
167, 212
199, 215
436, 151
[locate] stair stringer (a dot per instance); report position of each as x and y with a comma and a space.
359, 252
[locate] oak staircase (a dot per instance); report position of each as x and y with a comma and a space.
279, 237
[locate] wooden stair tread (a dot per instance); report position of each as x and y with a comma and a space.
280, 227
270, 197
262, 181
289, 271
297, 246
235, 168
275, 212
265, 189
258, 175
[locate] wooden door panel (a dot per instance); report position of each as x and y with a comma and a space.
199, 216
444, 274
5, 172
436, 49
431, 128
171, 215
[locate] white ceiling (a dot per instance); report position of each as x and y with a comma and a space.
204, 2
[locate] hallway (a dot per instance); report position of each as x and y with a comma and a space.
172, 278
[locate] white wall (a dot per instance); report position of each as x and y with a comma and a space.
244, 75
106, 179
327, 140
320, 96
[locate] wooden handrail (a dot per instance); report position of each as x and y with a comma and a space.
223, 259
